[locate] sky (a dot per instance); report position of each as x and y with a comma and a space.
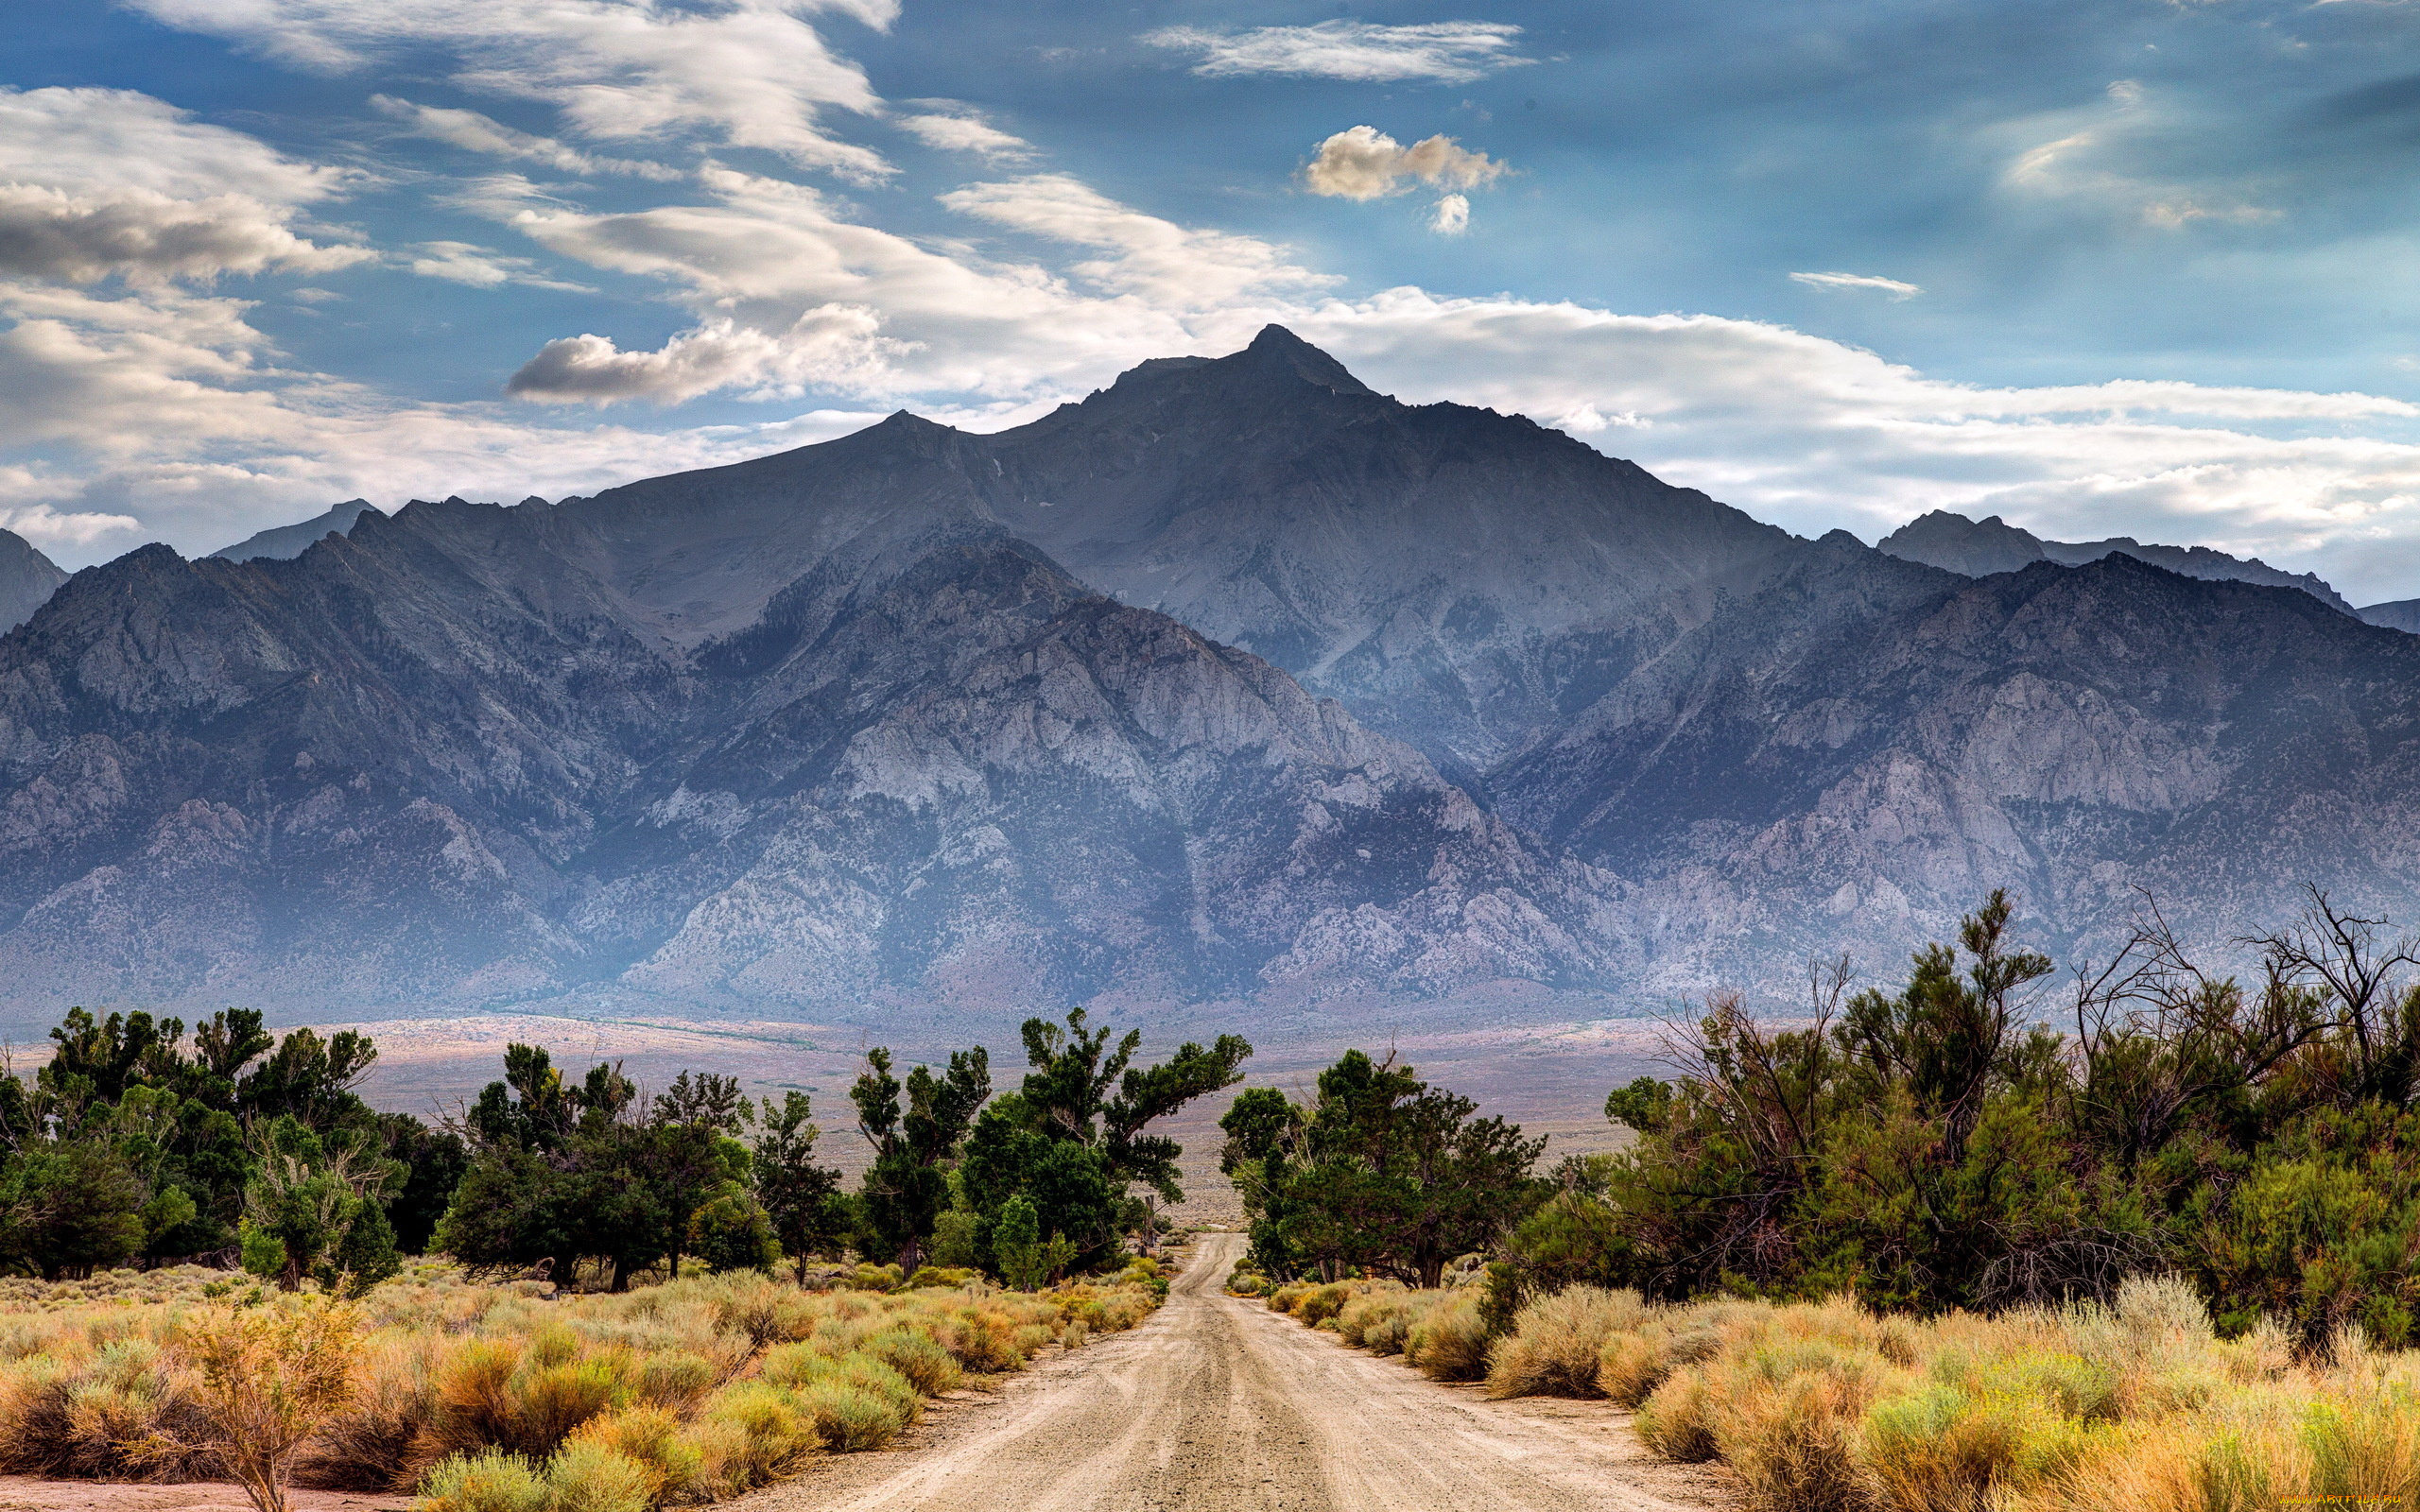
2100, 268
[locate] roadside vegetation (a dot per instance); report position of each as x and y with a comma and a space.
2150, 1240
626, 1300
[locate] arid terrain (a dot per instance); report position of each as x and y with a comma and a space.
1549, 1078
1216, 1405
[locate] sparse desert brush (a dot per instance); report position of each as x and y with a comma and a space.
489, 1481
1448, 1342
1282, 1298
471, 1392
1321, 1303
1559, 1340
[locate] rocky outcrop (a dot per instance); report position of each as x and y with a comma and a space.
27, 578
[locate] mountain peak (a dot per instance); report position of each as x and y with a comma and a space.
1277, 349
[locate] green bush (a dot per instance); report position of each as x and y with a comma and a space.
489, 1481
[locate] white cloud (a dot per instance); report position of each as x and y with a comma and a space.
96, 182
52, 532
1450, 216
53, 233
955, 127
1858, 280
1814, 435
1447, 52
1364, 163
115, 140
467, 263
749, 73
475, 132
2106, 157
793, 296
832, 347
1174, 266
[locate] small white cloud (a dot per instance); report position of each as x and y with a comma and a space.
51, 531
1451, 216
467, 263
1446, 52
475, 132
2125, 92
950, 127
1891, 287
1364, 163
313, 296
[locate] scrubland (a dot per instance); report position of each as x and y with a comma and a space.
503, 1399
1828, 1406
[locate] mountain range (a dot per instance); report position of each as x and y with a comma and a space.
1235, 681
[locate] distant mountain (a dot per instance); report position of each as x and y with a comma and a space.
27, 579
456, 758
286, 542
1461, 579
1978, 548
1852, 759
1235, 682
2402, 614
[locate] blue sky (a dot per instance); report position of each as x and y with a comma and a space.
2140, 268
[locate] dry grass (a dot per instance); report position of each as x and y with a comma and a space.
496, 1398
1558, 1342
2137, 1407
1437, 1331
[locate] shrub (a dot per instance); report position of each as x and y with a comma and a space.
918, 1357
1558, 1343
1677, 1420
652, 1437
756, 1432
489, 1481
269, 1377
586, 1475
1321, 1303
1448, 1342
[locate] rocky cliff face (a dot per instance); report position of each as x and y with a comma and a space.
27, 578
1979, 548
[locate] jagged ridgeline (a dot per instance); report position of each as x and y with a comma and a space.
1236, 681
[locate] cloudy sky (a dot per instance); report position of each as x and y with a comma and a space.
2139, 268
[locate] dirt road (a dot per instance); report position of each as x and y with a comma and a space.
1215, 1405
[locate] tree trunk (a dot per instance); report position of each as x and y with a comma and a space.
621, 1273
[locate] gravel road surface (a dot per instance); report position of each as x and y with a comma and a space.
1216, 1404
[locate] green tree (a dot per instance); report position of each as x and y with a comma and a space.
67, 1209
906, 1186
1072, 1139
1382, 1173
312, 1209
801, 1200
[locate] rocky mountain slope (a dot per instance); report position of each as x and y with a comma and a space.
2402, 614
1235, 681
27, 578
1459, 579
286, 542
1850, 761
456, 757
1978, 548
